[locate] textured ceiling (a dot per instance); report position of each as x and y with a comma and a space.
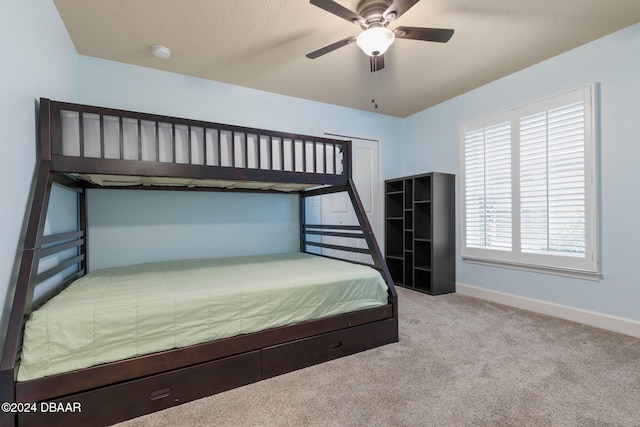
261, 44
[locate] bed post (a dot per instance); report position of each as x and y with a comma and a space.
376, 254
302, 221
82, 225
22, 297
346, 160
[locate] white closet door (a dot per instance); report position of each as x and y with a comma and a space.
337, 208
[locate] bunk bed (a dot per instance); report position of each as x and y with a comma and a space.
86, 147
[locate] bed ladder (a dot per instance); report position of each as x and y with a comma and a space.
361, 231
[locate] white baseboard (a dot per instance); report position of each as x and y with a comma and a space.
599, 320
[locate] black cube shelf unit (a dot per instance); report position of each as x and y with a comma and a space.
420, 232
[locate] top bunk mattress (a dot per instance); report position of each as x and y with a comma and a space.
122, 312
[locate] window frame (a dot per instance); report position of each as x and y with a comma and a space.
582, 267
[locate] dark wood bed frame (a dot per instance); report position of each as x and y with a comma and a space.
121, 390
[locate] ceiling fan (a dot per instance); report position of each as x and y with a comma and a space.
374, 16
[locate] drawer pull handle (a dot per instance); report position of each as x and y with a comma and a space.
335, 346
160, 394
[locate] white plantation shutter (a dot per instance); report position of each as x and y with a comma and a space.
529, 187
534, 201
498, 186
552, 182
488, 187
475, 208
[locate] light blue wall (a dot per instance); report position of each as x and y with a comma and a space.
147, 225
431, 142
38, 60
127, 226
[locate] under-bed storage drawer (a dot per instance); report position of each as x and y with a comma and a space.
290, 356
138, 397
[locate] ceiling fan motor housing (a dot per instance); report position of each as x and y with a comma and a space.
373, 13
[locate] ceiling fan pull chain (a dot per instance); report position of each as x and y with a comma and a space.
374, 79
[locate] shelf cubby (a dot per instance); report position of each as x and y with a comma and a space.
394, 187
394, 205
408, 269
423, 281
422, 186
408, 191
408, 240
422, 254
394, 231
408, 220
423, 220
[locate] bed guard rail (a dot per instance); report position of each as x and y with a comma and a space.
87, 139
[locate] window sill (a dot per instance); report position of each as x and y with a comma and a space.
575, 274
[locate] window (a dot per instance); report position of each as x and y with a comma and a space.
529, 186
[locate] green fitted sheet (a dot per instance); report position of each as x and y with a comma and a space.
121, 312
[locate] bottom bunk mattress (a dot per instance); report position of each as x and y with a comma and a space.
122, 312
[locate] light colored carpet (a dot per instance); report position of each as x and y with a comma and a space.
460, 362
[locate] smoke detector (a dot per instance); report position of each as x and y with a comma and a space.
161, 52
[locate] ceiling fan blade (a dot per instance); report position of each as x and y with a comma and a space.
330, 48
377, 63
440, 35
338, 10
399, 7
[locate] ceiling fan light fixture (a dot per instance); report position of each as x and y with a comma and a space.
375, 41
